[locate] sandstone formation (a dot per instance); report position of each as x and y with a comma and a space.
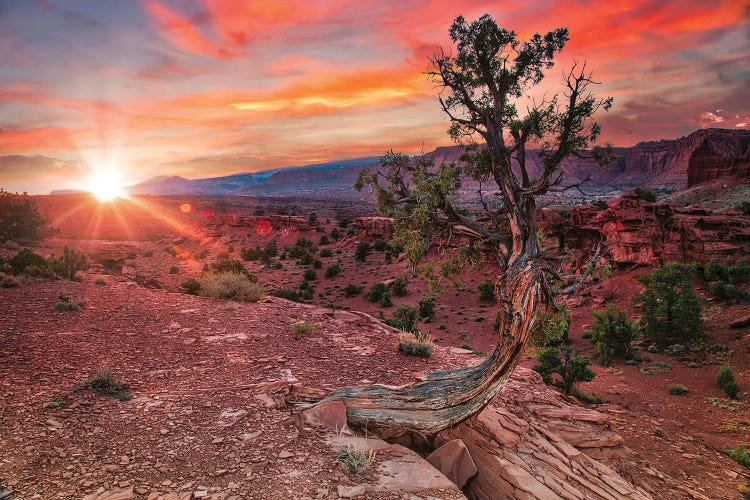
706, 165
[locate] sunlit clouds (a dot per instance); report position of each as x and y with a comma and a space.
208, 87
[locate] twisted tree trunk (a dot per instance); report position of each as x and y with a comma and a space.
447, 398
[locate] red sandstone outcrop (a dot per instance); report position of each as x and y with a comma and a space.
706, 165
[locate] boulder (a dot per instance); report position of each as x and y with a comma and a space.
327, 415
454, 461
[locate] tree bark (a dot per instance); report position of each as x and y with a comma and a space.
447, 398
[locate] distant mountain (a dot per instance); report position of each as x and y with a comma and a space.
656, 164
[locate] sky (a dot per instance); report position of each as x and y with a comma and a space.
202, 88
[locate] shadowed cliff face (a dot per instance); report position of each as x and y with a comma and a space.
706, 164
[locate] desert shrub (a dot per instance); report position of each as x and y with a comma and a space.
250, 254
486, 290
202, 254
344, 222
380, 245
317, 264
20, 219
312, 219
645, 194
677, 389
725, 380
351, 290
230, 285
450, 267
723, 290
26, 259
302, 327
225, 264
735, 274
324, 241
398, 287
363, 250
174, 270
415, 344
326, 252
310, 275
332, 271
379, 293
278, 265
427, 309
66, 303
106, 382
551, 329
740, 455
9, 282
571, 369
612, 333
335, 234
404, 317
744, 207
671, 309
191, 286
100, 281
586, 397
601, 204
354, 460
287, 294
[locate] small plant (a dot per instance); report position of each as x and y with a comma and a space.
354, 460
586, 397
26, 259
612, 334
326, 252
486, 290
230, 285
380, 245
335, 234
570, 368
645, 194
655, 368
225, 264
317, 264
351, 290
302, 328
332, 271
310, 275
404, 318
105, 382
363, 250
659, 432
379, 293
174, 270
287, 294
9, 282
415, 344
398, 287
70, 262
744, 207
677, 390
191, 286
148, 253
740, 455
66, 303
725, 380
427, 309
324, 240
100, 281
551, 329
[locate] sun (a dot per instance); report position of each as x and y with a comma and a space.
106, 186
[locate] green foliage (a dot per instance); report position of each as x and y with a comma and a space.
344, 222
351, 290
736, 274
486, 291
725, 380
106, 382
744, 207
310, 275
740, 455
398, 287
363, 250
326, 252
288, 294
317, 264
230, 285
332, 271
354, 460
380, 245
303, 251
586, 397
671, 309
9, 282
324, 241
379, 293
335, 233
612, 333
312, 219
601, 204
450, 267
20, 218
569, 368
26, 259
70, 262
404, 317
225, 264
724, 290
645, 194
302, 327
677, 390
191, 286
551, 329
427, 309
66, 303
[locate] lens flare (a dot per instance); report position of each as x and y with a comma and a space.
106, 186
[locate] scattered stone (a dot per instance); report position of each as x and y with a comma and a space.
328, 415
454, 461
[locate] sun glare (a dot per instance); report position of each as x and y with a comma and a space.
106, 186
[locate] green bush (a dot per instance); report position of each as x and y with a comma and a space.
379, 293
551, 329
740, 455
20, 219
287, 294
671, 309
725, 380
352, 290
332, 271
736, 274
677, 390
569, 368
415, 344
174, 270
310, 275
191, 286
70, 262
645, 194
398, 287
723, 290
744, 207
9, 282
427, 309
105, 382
225, 264
404, 317
324, 240
230, 285
335, 234
326, 252
612, 333
26, 259
380, 245
486, 291
302, 327
354, 460
363, 250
